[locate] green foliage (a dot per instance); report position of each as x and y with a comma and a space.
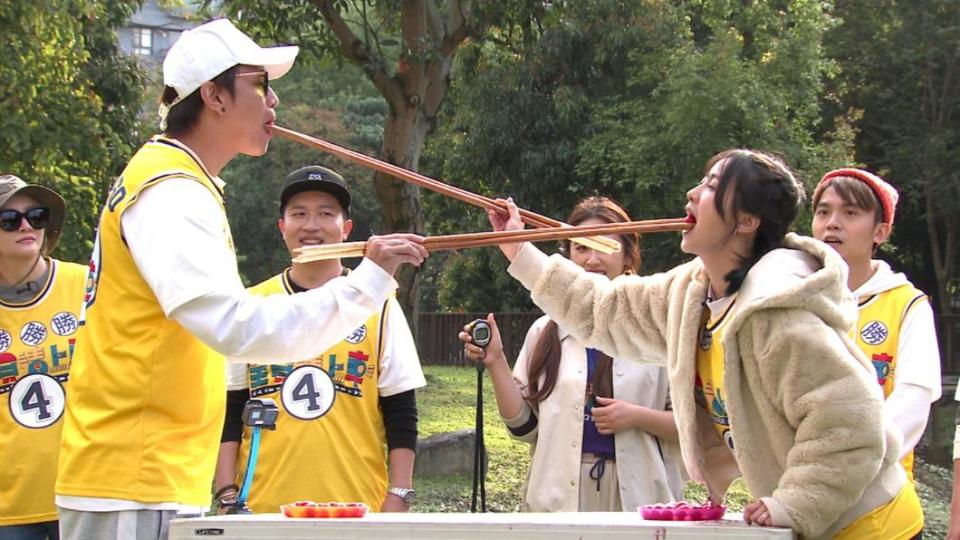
901, 69
629, 101
406, 49
741, 75
68, 104
489, 283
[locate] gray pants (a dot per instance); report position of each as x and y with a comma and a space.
123, 525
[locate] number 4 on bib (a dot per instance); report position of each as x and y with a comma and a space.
37, 401
308, 393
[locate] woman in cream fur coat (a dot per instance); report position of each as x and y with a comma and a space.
764, 379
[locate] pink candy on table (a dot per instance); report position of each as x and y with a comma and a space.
682, 511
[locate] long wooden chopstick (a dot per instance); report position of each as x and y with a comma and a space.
605, 245
471, 240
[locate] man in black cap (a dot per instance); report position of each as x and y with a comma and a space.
366, 382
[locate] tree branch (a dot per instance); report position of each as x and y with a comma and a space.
948, 76
413, 25
434, 22
357, 52
935, 247
459, 16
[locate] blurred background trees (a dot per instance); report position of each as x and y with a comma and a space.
545, 101
69, 104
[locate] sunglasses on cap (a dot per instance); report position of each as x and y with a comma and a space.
38, 218
263, 83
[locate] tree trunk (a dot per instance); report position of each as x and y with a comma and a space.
943, 247
414, 94
403, 139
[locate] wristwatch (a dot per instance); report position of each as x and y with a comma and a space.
407, 494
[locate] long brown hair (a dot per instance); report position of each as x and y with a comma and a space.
545, 358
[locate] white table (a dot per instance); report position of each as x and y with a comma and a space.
451, 526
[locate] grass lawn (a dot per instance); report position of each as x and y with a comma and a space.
447, 404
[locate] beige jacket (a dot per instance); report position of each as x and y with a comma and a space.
649, 470
804, 407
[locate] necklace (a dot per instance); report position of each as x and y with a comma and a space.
706, 329
13, 288
706, 333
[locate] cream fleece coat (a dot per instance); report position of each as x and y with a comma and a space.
804, 406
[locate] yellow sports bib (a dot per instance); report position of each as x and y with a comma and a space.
878, 335
708, 385
899, 519
36, 344
147, 399
336, 456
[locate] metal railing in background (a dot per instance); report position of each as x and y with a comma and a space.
438, 344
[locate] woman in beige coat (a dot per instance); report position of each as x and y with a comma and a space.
765, 380
601, 435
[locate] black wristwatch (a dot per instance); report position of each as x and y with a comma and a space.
407, 494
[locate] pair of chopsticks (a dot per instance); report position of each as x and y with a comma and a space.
604, 245
307, 254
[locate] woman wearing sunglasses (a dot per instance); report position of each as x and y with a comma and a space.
39, 303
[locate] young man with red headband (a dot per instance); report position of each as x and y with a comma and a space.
165, 302
853, 212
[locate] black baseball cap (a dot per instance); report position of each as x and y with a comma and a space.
315, 178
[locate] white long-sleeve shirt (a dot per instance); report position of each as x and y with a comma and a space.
185, 260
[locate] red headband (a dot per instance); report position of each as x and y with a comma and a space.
886, 193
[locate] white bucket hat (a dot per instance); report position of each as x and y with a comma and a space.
202, 53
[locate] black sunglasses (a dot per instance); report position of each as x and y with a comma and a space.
38, 218
263, 83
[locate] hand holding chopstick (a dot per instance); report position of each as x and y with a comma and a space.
462, 241
392, 250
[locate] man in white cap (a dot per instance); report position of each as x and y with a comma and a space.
165, 302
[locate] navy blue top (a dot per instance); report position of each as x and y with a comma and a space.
593, 441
